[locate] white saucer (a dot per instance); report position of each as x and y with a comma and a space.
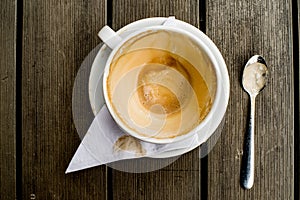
95, 80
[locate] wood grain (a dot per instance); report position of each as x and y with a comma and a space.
181, 180
156, 185
127, 11
7, 99
57, 36
297, 123
240, 30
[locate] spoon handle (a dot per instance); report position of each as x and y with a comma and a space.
247, 176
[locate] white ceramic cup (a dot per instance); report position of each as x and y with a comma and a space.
115, 42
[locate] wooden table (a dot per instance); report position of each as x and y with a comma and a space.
42, 44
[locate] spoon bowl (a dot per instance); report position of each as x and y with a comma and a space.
255, 75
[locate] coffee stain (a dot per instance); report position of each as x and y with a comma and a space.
152, 92
129, 143
174, 61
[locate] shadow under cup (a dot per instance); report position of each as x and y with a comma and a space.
161, 85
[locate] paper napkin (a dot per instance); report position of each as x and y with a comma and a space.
105, 142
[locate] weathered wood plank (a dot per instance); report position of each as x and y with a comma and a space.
57, 36
180, 180
156, 185
125, 12
241, 29
7, 99
297, 134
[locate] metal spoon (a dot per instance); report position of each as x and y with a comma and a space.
254, 80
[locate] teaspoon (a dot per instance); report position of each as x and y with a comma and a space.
254, 80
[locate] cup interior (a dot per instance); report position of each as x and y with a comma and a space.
177, 42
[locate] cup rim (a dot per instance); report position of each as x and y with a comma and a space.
202, 123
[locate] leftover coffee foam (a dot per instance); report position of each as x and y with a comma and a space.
157, 93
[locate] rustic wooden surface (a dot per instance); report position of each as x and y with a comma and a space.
241, 30
297, 121
57, 35
55, 38
7, 99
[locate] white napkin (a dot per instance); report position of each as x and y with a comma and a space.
105, 142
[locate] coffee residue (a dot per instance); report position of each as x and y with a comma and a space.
158, 93
129, 143
152, 92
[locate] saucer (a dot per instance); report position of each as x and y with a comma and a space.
96, 78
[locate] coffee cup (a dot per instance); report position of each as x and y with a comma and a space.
161, 84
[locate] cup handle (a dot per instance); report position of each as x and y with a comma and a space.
109, 37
